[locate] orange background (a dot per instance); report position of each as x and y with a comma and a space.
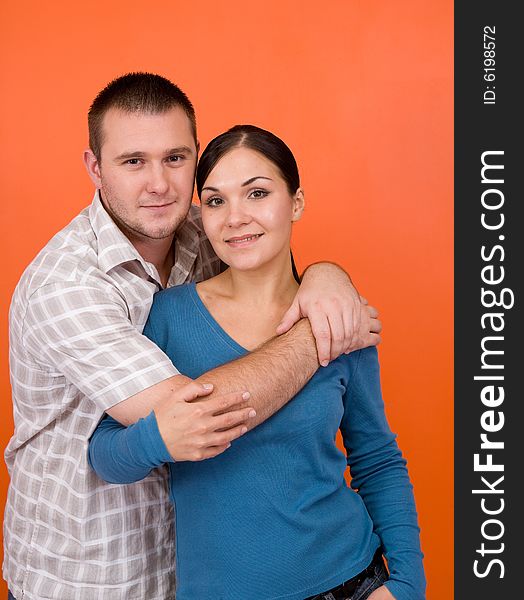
362, 92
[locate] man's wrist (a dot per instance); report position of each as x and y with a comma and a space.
300, 336
325, 266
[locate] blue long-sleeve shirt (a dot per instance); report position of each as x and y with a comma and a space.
272, 517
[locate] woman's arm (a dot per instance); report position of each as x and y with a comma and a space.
120, 454
380, 476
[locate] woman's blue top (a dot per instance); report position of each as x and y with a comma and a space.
272, 517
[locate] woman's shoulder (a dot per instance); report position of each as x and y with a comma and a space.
171, 302
362, 356
358, 363
176, 293
172, 313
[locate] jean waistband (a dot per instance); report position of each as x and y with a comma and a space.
346, 589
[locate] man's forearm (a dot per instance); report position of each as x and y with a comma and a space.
273, 373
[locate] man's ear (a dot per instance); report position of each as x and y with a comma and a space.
93, 168
298, 205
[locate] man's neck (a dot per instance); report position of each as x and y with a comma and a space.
160, 253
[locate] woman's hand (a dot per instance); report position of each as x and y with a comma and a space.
341, 320
381, 593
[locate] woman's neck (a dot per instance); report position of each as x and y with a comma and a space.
249, 305
268, 286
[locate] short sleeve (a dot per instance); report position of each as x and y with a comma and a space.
85, 335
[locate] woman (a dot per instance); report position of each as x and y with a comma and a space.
272, 517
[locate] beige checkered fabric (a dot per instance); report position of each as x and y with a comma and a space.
76, 349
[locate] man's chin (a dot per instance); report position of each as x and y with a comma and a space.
161, 234
138, 231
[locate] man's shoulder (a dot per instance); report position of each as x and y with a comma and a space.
194, 217
69, 256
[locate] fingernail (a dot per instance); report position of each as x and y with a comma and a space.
207, 386
246, 395
243, 430
252, 414
325, 363
228, 446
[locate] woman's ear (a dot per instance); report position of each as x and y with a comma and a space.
298, 205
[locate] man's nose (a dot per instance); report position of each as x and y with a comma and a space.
157, 182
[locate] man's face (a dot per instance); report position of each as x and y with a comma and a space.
146, 171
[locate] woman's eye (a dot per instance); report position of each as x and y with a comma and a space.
214, 201
259, 194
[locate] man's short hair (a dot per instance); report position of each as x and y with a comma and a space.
136, 93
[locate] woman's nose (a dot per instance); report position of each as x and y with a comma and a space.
237, 216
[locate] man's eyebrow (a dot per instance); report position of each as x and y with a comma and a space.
179, 150
140, 154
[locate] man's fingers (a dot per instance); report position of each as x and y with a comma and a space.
322, 333
291, 317
372, 339
375, 326
372, 311
338, 334
349, 328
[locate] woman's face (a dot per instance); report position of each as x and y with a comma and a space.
247, 210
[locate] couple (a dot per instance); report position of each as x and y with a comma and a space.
77, 351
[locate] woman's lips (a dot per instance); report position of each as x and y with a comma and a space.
243, 240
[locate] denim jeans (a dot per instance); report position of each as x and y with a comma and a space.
371, 583
375, 577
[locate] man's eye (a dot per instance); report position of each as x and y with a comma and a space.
174, 159
133, 161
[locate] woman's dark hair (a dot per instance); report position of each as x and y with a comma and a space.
254, 138
260, 140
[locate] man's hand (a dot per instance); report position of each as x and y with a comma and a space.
381, 593
341, 320
198, 430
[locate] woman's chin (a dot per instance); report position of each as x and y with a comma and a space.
244, 263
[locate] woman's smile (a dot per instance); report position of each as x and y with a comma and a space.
243, 241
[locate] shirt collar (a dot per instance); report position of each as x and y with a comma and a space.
187, 245
115, 249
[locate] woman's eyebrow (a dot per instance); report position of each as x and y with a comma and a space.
254, 178
214, 189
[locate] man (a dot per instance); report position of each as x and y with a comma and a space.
76, 350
